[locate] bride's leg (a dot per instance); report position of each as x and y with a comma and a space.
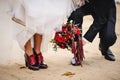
28, 48
30, 57
37, 50
37, 42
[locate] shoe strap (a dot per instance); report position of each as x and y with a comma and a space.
40, 57
32, 60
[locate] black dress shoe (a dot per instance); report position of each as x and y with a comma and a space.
108, 55
106, 52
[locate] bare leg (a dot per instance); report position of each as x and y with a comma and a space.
28, 48
37, 48
30, 59
37, 42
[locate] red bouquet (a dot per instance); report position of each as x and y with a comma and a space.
70, 38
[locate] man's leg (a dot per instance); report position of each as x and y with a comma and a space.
108, 35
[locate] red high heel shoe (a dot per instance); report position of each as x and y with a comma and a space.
40, 60
30, 62
41, 63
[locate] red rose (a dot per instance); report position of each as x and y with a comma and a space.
78, 31
64, 29
59, 37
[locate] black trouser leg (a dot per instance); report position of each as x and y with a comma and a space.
107, 34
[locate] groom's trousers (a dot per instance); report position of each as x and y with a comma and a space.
104, 22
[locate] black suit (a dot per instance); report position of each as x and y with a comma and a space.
104, 15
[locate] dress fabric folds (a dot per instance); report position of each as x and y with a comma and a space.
40, 16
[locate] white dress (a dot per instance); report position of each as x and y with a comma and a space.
40, 16
48, 15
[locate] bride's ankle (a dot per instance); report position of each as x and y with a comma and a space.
29, 53
36, 51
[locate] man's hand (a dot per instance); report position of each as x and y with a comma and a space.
84, 42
